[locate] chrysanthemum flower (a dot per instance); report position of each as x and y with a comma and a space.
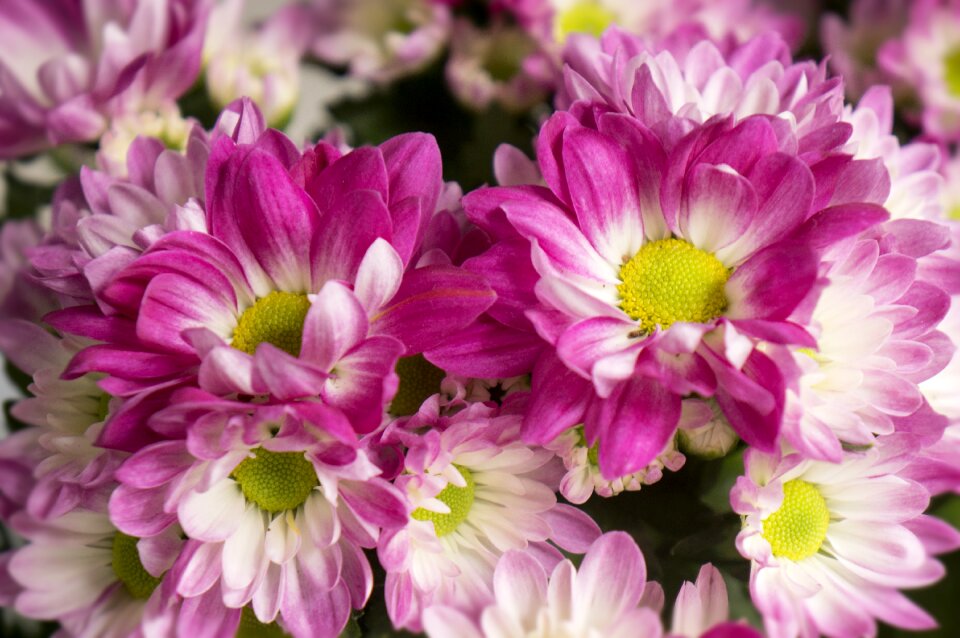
476, 492
499, 64
300, 284
380, 40
69, 68
875, 324
584, 477
598, 599
731, 22
262, 64
66, 416
853, 47
79, 570
925, 60
275, 510
831, 545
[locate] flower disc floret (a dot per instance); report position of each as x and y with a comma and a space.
458, 499
276, 319
587, 16
798, 529
419, 380
276, 481
671, 280
951, 71
128, 568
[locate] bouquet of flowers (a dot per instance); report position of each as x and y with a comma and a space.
479, 318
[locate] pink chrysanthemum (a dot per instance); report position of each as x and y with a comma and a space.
275, 510
832, 544
476, 492
925, 61
380, 40
300, 283
601, 598
71, 66
79, 570
66, 416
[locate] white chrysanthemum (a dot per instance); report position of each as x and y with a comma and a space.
476, 492
78, 569
831, 544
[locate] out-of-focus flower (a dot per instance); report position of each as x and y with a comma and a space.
380, 40
601, 598
275, 510
263, 65
476, 492
853, 47
70, 67
499, 64
22, 296
831, 545
925, 61
584, 477
728, 23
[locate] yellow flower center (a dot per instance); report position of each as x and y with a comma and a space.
276, 481
951, 71
671, 280
587, 16
250, 627
128, 568
798, 529
277, 318
458, 499
419, 379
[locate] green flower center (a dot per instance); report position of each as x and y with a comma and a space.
458, 499
798, 529
951, 71
276, 481
277, 318
670, 280
128, 568
419, 379
250, 627
588, 17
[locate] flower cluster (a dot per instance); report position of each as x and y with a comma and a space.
310, 388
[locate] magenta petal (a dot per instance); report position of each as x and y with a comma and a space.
559, 400
415, 169
760, 430
275, 218
487, 350
605, 200
431, 304
633, 425
361, 169
717, 207
771, 283
345, 234
172, 304
612, 576
308, 608
548, 151
587, 342
156, 465
507, 267
376, 502
139, 512
363, 381
335, 323
838, 222
572, 529
284, 376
